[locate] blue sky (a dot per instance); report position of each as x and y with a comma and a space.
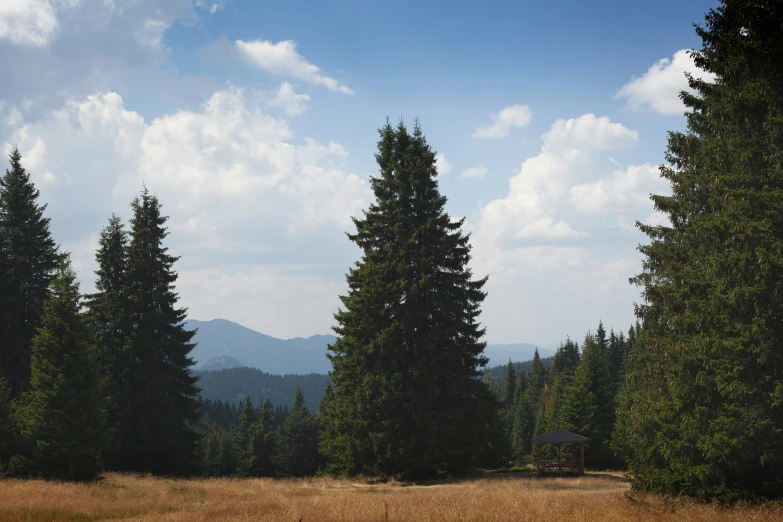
255, 123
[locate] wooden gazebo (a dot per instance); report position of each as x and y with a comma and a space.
558, 437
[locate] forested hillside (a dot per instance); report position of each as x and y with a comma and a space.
233, 384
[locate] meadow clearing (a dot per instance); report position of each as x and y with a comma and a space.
510, 497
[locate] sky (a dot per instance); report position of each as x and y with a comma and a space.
256, 123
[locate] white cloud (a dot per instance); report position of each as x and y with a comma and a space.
474, 172
659, 88
561, 230
442, 164
282, 58
60, 49
28, 22
512, 116
626, 188
235, 185
287, 99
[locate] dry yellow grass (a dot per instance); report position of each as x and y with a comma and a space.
491, 498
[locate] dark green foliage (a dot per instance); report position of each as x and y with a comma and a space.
7, 428
163, 409
296, 442
566, 359
108, 312
407, 394
245, 439
233, 384
28, 258
509, 385
220, 413
61, 418
217, 452
588, 405
704, 411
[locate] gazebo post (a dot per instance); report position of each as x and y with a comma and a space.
560, 458
582, 456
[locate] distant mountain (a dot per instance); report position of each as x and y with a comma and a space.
224, 362
218, 338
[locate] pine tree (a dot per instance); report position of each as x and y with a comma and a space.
588, 403
265, 440
408, 398
61, 418
521, 420
534, 402
28, 260
163, 409
707, 391
509, 385
108, 311
296, 443
246, 439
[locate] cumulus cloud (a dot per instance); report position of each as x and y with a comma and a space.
561, 230
28, 22
281, 58
287, 99
237, 188
512, 116
659, 88
60, 49
442, 164
474, 172
626, 188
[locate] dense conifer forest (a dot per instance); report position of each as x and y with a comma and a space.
689, 399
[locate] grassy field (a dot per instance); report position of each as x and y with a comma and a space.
487, 498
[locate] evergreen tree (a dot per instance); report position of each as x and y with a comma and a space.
521, 420
588, 403
61, 418
28, 259
265, 440
163, 409
706, 392
534, 402
108, 314
408, 398
246, 439
296, 443
566, 359
509, 385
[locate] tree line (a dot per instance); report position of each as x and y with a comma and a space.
233, 384
690, 402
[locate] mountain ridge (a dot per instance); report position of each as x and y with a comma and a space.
299, 355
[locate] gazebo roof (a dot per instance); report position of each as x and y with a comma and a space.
559, 436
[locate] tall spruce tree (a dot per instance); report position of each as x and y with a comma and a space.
61, 418
28, 259
588, 404
509, 385
521, 420
705, 407
296, 442
161, 434
246, 440
108, 312
408, 398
